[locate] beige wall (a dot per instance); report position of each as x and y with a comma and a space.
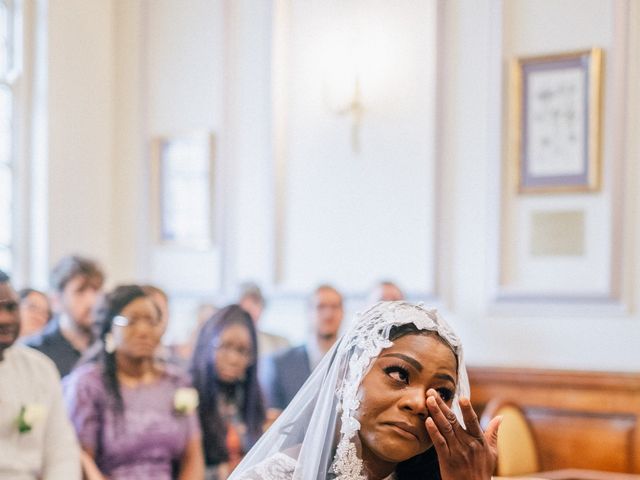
585, 330
80, 86
291, 195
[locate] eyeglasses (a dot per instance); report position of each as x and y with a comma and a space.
122, 321
227, 348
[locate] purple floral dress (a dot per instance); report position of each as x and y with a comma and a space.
145, 441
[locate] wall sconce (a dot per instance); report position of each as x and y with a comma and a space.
354, 109
343, 97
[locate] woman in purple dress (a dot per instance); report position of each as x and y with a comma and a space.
134, 417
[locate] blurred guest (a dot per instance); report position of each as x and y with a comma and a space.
36, 439
225, 374
35, 311
203, 313
285, 372
385, 291
135, 417
77, 284
161, 299
252, 301
182, 352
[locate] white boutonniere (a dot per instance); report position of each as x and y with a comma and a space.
185, 401
30, 415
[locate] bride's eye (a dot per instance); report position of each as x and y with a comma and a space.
398, 373
445, 394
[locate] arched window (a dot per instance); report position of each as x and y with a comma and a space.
9, 76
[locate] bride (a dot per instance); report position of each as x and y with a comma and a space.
388, 401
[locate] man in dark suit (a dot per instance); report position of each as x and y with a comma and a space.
285, 372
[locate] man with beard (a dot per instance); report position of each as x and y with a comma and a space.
36, 438
76, 283
284, 373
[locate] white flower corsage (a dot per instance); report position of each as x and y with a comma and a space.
30, 415
185, 401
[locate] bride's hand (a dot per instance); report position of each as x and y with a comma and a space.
469, 454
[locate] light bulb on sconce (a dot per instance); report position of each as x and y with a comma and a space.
343, 97
354, 109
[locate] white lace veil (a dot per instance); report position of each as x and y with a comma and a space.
315, 438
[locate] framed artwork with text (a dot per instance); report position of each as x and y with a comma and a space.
556, 121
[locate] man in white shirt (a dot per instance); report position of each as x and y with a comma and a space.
37, 440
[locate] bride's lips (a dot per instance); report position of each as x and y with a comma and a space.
407, 430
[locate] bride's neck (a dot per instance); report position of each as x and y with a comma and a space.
373, 474
375, 468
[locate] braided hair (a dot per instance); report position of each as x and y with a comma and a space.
111, 306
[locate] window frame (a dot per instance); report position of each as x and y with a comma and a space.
11, 80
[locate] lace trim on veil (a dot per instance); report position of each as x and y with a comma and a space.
316, 437
366, 340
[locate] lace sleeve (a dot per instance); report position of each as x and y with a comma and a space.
278, 467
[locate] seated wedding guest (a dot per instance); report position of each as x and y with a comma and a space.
161, 299
285, 372
37, 441
385, 291
35, 311
388, 402
252, 301
224, 373
135, 418
76, 283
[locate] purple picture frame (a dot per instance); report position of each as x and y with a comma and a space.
557, 122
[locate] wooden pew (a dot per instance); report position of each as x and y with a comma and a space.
588, 420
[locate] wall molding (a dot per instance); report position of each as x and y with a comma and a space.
505, 300
282, 77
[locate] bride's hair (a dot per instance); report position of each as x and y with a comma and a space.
399, 331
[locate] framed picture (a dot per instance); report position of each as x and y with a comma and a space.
556, 118
183, 189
